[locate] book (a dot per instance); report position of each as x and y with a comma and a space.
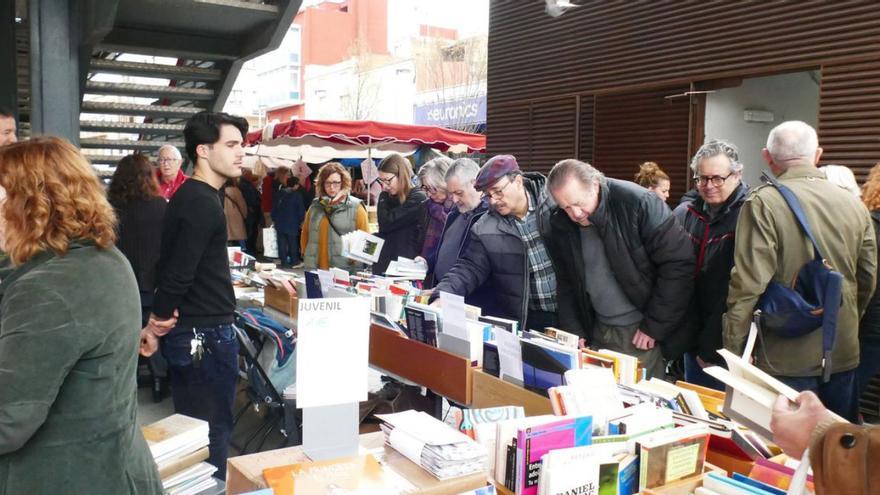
750, 393
640, 419
435, 446
723, 485
505, 435
357, 474
191, 480
536, 440
758, 484
362, 246
511, 326
775, 474
405, 268
589, 391
628, 365
175, 465
174, 437
544, 364
562, 337
422, 322
672, 454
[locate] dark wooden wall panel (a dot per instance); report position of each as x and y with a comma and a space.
617, 47
632, 128
849, 115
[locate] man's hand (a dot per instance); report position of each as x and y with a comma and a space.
160, 327
703, 364
793, 423
149, 342
642, 341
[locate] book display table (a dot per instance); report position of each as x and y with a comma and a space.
245, 473
489, 391
442, 372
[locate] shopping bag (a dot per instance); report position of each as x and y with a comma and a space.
270, 242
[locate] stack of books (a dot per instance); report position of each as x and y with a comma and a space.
433, 445
407, 269
179, 444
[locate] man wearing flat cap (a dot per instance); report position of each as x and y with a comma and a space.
506, 250
624, 264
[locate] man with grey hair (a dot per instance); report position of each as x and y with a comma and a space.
456, 235
771, 246
169, 173
624, 266
710, 219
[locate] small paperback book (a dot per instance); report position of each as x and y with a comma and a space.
361, 246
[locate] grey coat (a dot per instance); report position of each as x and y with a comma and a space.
69, 332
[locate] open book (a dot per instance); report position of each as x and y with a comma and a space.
361, 246
751, 393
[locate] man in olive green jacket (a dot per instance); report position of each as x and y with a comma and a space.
770, 245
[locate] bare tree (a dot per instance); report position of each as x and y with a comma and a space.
363, 90
453, 70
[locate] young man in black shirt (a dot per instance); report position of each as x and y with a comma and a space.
194, 303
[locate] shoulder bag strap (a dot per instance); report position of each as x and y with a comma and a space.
795, 206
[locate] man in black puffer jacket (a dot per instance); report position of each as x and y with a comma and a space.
507, 251
624, 265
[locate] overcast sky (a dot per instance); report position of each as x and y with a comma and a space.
469, 17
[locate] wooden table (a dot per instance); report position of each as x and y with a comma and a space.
489, 391
245, 473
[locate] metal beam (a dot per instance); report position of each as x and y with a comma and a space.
8, 77
55, 92
170, 44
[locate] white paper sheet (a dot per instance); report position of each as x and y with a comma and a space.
326, 279
454, 320
332, 351
509, 355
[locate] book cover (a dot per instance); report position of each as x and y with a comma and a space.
775, 474
758, 484
628, 475
545, 366
313, 285
671, 455
535, 441
175, 436
359, 474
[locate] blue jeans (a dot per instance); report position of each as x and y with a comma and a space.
206, 390
288, 248
693, 373
838, 395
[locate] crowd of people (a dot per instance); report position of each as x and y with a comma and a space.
604, 258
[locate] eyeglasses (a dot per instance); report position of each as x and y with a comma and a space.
162, 161
386, 182
431, 189
334, 183
715, 180
497, 193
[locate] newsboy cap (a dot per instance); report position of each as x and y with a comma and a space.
497, 167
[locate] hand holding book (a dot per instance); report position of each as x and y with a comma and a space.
793, 422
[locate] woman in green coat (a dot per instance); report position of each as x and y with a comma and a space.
69, 330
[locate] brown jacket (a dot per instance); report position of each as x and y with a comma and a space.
235, 208
770, 245
845, 459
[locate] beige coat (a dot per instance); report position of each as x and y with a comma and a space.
235, 208
770, 245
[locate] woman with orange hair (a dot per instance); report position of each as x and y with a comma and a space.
652, 178
333, 213
69, 332
869, 325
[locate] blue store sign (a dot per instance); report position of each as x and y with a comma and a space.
452, 113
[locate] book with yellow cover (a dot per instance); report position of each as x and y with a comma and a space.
359, 474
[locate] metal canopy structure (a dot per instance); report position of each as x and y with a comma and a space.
55, 55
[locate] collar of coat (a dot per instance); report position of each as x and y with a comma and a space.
800, 172
36, 260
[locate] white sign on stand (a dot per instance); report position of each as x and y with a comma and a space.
332, 373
